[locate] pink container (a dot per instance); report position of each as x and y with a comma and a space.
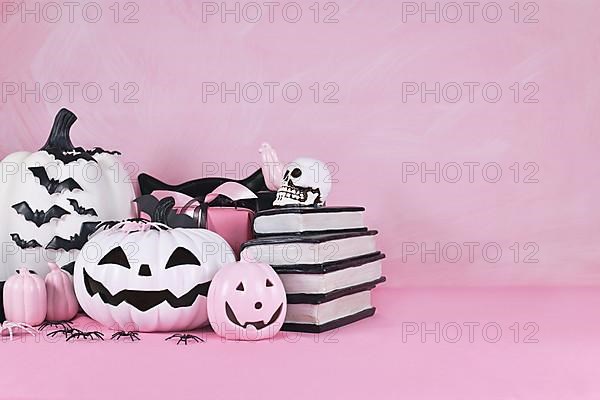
219, 212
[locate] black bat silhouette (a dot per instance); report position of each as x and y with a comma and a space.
172, 218
53, 185
100, 150
82, 210
31, 244
70, 156
70, 267
39, 217
79, 153
76, 241
146, 204
150, 205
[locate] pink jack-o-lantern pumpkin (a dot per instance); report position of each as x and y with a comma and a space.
246, 301
25, 298
62, 303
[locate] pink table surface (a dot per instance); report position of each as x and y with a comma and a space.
369, 359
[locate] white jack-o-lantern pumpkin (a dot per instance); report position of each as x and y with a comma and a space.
147, 277
52, 199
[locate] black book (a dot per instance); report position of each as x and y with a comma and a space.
302, 220
322, 312
309, 249
328, 277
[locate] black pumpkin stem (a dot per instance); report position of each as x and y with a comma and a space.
163, 209
59, 139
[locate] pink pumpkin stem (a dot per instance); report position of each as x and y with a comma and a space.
53, 266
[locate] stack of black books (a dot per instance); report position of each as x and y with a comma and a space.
327, 259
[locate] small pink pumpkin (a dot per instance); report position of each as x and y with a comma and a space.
25, 298
62, 303
246, 301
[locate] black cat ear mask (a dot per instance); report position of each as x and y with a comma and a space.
201, 188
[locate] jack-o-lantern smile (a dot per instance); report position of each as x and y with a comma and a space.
257, 324
143, 300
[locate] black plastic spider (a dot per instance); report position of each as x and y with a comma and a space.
184, 337
77, 334
65, 331
55, 324
125, 334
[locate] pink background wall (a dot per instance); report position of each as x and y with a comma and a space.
373, 52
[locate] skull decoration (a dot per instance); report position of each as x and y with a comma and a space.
306, 182
246, 301
147, 277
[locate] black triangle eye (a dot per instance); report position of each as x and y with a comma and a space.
240, 287
269, 283
182, 256
116, 256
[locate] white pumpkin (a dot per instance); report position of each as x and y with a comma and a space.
52, 199
142, 276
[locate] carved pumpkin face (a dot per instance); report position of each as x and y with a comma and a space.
246, 301
147, 277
